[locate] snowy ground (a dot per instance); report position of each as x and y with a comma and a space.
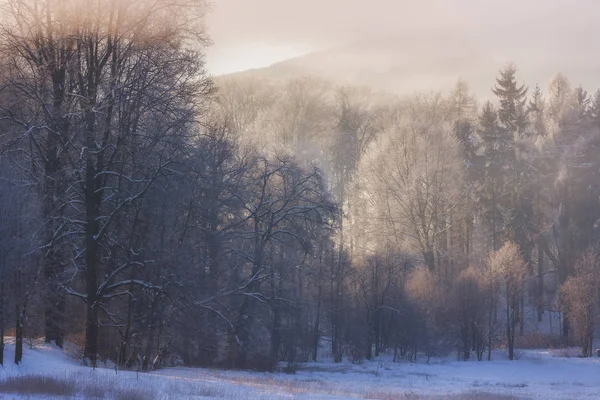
538, 374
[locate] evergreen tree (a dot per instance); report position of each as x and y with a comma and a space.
512, 96
594, 110
587, 177
541, 167
535, 111
496, 145
473, 169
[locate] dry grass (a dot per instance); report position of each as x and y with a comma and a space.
387, 395
93, 392
32, 385
37, 385
476, 396
318, 387
384, 395
219, 385
132, 394
540, 341
270, 383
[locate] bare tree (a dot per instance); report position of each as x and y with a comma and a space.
279, 198
469, 296
246, 106
303, 119
423, 289
509, 269
415, 168
580, 294
19, 270
116, 84
380, 285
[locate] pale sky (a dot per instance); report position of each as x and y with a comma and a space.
257, 33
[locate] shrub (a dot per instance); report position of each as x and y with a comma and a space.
290, 368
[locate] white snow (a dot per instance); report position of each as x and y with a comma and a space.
543, 374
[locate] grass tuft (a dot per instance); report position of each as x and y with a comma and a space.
37, 385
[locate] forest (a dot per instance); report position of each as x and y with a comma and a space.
154, 215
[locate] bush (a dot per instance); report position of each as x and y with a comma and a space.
290, 368
260, 363
540, 341
580, 297
354, 354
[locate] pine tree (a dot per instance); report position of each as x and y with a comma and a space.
586, 182
535, 111
496, 145
463, 109
473, 170
594, 110
512, 97
514, 119
540, 164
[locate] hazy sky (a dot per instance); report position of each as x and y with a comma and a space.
256, 33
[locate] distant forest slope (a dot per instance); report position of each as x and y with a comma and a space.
434, 60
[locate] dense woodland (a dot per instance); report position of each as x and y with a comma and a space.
152, 215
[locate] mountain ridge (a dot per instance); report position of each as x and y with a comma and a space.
434, 61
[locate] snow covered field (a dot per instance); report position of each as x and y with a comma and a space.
48, 373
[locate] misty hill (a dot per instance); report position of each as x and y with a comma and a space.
434, 60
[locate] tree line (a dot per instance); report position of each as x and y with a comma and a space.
487, 208
155, 216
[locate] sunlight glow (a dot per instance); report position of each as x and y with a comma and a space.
244, 56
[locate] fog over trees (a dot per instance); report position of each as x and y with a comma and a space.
153, 215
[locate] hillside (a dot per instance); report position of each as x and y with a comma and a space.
434, 60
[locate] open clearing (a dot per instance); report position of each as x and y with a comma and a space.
49, 373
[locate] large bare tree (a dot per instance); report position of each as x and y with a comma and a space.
105, 94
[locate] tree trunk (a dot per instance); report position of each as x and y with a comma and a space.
19, 335
429, 256
334, 329
509, 335
240, 337
153, 334
565, 248
91, 275
336, 340
317, 325
214, 262
522, 310
276, 291
512, 305
1, 343
379, 334
316, 334
275, 333
469, 232
565, 328
241, 333
55, 297
122, 360
492, 307
590, 343
93, 199
336, 347
54, 313
2, 323
540, 281
494, 229
370, 335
